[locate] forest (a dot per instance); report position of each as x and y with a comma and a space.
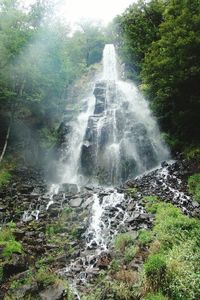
136, 238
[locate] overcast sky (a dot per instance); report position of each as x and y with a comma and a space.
74, 10
104, 10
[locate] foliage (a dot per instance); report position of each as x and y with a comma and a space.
131, 191
6, 235
192, 153
44, 277
194, 186
137, 28
12, 247
39, 60
113, 290
171, 222
8, 242
115, 265
155, 269
160, 44
121, 241
156, 296
145, 237
171, 265
183, 273
151, 203
5, 177
130, 253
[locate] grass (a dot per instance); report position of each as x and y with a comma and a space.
130, 253
194, 186
8, 242
171, 268
155, 296
5, 177
155, 270
145, 237
121, 241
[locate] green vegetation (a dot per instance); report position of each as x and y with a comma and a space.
44, 277
151, 203
194, 186
159, 43
5, 177
130, 253
131, 191
8, 243
155, 270
156, 296
12, 247
39, 61
145, 237
123, 240
170, 267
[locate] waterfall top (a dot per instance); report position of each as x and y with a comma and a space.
109, 63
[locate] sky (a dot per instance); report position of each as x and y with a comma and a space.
75, 10
104, 10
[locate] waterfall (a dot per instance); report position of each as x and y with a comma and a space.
113, 138
122, 139
116, 137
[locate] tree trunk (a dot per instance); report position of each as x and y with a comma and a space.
6, 141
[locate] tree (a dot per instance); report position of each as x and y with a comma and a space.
171, 70
136, 29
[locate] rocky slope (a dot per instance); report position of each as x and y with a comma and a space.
69, 235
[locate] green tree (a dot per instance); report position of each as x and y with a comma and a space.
171, 70
136, 29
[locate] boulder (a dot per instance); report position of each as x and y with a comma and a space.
54, 292
76, 202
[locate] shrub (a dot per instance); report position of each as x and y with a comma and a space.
151, 203
145, 237
115, 265
5, 177
170, 222
130, 253
156, 296
122, 240
44, 277
194, 186
131, 191
183, 271
192, 153
155, 270
6, 235
12, 247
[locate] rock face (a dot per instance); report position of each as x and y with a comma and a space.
100, 94
98, 214
117, 145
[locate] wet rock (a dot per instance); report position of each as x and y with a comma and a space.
16, 265
76, 202
70, 188
25, 290
3, 208
87, 202
19, 233
54, 292
104, 260
164, 164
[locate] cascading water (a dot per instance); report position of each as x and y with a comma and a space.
122, 139
114, 139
